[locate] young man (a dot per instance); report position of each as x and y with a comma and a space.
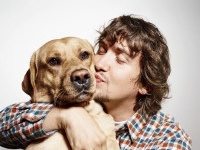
132, 68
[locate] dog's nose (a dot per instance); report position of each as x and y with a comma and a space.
81, 79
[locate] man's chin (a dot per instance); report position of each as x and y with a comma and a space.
101, 98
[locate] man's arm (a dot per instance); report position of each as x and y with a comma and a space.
81, 129
24, 122
21, 123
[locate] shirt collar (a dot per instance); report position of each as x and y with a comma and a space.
133, 125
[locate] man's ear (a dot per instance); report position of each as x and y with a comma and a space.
142, 91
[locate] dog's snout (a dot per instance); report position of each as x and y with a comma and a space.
81, 79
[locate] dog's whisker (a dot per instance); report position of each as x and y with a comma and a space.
61, 92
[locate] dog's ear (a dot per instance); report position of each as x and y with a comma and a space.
28, 84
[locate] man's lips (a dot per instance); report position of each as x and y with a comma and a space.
99, 78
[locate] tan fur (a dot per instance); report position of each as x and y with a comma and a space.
49, 82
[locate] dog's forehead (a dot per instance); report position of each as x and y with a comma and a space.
66, 44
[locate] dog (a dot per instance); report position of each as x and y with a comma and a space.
62, 72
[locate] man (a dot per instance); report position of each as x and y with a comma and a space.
132, 68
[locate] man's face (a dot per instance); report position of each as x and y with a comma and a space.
117, 72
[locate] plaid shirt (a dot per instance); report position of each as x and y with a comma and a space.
21, 123
159, 132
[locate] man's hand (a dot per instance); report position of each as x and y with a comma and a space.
82, 131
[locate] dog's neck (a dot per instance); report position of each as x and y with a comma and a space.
75, 104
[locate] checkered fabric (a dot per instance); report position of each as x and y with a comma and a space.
159, 132
21, 123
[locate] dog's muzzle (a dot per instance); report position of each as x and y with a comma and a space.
81, 79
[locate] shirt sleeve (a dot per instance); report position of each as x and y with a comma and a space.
176, 139
173, 137
21, 123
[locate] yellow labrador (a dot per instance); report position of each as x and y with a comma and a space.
62, 72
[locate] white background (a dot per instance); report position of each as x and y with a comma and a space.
25, 25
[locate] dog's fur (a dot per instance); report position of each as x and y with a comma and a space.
62, 72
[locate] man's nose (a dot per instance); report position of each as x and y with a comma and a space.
102, 62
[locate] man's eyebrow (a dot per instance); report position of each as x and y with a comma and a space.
103, 43
123, 50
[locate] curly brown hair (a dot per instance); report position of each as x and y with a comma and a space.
143, 36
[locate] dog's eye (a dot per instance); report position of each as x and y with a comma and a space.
84, 55
54, 61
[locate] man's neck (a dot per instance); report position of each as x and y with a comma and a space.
120, 111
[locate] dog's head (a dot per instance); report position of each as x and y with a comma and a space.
61, 72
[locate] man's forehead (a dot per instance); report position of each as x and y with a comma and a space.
119, 45
122, 46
